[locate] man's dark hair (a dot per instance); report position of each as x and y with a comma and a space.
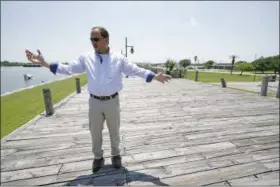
102, 30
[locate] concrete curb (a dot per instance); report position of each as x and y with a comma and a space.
40, 116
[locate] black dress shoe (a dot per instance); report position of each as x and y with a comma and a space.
97, 164
117, 161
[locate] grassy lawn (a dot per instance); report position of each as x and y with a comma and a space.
269, 94
20, 107
257, 72
216, 77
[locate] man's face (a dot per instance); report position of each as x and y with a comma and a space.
99, 43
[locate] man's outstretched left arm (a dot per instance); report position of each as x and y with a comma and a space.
131, 69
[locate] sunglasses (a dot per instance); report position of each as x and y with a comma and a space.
95, 39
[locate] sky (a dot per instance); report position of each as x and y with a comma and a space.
158, 30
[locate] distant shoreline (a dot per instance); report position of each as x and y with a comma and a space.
22, 65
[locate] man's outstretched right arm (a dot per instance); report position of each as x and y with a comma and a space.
77, 66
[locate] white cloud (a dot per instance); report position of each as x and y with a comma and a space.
193, 22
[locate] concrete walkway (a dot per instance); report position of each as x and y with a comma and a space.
181, 133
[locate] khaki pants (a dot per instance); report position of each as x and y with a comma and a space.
99, 111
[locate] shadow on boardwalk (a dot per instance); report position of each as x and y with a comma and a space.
120, 177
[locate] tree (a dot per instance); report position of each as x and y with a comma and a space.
275, 64
269, 63
240, 62
232, 57
184, 63
169, 64
261, 64
245, 67
209, 64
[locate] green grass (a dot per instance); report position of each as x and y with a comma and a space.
20, 107
216, 77
269, 94
257, 72
249, 91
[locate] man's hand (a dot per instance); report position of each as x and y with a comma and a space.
36, 59
162, 77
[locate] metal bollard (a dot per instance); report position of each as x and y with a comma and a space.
264, 86
196, 76
78, 85
48, 101
224, 85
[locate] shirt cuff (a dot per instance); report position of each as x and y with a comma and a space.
150, 77
53, 67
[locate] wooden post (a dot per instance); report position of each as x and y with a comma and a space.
264, 86
196, 76
224, 85
254, 77
180, 73
48, 101
78, 85
277, 93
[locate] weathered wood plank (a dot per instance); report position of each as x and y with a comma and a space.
269, 175
29, 173
272, 163
219, 184
205, 148
270, 178
258, 147
266, 139
266, 154
171, 160
87, 164
32, 182
6, 152
216, 175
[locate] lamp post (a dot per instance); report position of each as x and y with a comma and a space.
128, 46
131, 49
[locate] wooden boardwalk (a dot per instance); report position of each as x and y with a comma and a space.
181, 133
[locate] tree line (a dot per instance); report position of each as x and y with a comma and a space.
271, 63
7, 63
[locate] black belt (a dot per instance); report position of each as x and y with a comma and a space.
104, 98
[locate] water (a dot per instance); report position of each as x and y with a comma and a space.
12, 77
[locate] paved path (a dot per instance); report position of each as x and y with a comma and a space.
180, 133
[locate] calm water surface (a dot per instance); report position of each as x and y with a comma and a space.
12, 77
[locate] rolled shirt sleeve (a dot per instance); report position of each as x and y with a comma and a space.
131, 69
76, 66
